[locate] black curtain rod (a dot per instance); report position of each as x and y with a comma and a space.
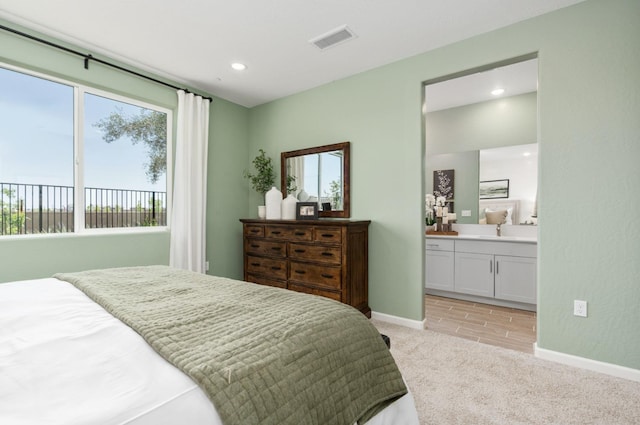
88, 57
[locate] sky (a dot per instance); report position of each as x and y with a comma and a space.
36, 138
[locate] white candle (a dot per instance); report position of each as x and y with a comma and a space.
445, 211
439, 212
452, 216
445, 219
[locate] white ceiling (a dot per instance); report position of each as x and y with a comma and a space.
194, 41
514, 79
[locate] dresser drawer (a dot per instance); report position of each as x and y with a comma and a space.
265, 247
328, 234
327, 276
274, 268
329, 254
266, 281
288, 233
315, 291
256, 230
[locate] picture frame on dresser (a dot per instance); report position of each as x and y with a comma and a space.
306, 211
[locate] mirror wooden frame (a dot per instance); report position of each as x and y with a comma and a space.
345, 147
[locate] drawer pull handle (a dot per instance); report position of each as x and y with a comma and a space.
255, 264
275, 232
435, 245
275, 268
276, 248
327, 276
327, 254
301, 272
255, 230
299, 250
327, 235
299, 233
497, 267
255, 246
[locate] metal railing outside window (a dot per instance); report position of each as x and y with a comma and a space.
40, 208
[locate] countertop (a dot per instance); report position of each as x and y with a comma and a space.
492, 238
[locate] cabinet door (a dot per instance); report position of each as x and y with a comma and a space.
474, 274
439, 270
516, 279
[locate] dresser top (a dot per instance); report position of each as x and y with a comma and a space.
320, 222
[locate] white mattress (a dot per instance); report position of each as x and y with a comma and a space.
65, 360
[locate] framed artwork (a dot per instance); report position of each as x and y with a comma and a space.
494, 189
306, 211
443, 183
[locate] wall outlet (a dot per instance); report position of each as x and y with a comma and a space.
579, 308
466, 213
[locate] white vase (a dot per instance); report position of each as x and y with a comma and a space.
273, 199
289, 207
262, 211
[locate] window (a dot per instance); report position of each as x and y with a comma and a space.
63, 145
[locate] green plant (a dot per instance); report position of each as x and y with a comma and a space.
291, 184
335, 195
13, 215
264, 177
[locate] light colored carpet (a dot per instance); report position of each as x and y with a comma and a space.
456, 381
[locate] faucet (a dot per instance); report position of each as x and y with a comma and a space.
498, 230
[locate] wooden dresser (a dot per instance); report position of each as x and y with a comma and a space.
321, 257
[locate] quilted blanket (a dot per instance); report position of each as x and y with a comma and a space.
262, 355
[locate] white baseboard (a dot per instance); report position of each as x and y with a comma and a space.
583, 363
395, 320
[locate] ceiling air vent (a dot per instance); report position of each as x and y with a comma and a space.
333, 37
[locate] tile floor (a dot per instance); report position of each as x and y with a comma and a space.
502, 326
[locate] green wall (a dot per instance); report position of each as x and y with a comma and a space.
40, 256
589, 103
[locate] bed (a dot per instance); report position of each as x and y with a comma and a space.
67, 356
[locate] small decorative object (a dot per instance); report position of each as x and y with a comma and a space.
262, 211
494, 189
306, 211
289, 207
273, 201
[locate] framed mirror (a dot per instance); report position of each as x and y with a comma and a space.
319, 174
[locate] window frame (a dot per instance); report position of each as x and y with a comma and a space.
79, 91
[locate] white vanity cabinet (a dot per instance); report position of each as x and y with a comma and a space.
515, 278
474, 274
439, 264
476, 268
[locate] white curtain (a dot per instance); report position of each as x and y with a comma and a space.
188, 214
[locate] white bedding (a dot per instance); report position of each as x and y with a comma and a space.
65, 360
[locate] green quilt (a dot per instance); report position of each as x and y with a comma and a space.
262, 355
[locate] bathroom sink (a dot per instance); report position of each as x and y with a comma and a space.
499, 238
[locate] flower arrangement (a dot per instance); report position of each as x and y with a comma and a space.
429, 205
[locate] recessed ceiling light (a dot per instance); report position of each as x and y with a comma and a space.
497, 92
238, 66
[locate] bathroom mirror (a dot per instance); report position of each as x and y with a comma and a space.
319, 174
483, 137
